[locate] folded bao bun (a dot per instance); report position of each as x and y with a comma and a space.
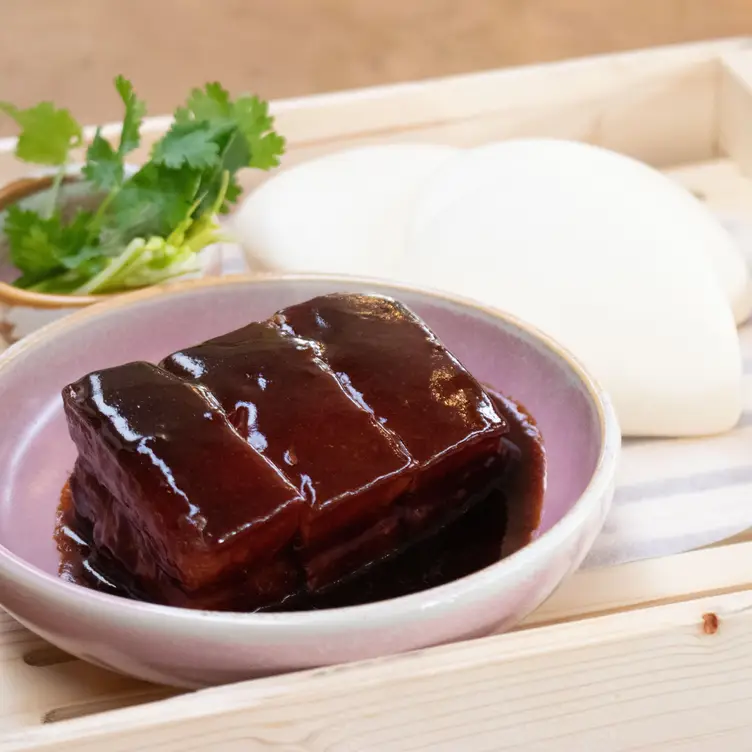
345, 213
625, 268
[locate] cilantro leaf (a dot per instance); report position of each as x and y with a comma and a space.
182, 115
234, 156
266, 151
152, 202
135, 109
41, 247
142, 211
236, 153
104, 166
252, 116
76, 244
232, 195
190, 143
210, 103
32, 241
47, 134
149, 226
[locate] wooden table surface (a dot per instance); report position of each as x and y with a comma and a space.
69, 50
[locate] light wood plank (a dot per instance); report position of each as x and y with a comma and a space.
51, 687
676, 578
671, 675
735, 109
658, 106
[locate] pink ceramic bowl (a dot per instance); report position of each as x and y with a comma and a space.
193, 648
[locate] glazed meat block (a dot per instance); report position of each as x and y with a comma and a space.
130, 565
281, 458
284, 400
181, 491
391, 363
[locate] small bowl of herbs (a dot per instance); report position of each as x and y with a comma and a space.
73, 233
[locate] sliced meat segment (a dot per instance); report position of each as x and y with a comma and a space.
198, 500
290, 407
390, 361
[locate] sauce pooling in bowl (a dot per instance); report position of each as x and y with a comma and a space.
496, 527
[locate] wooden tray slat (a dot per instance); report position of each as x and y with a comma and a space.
69, 688
670, 675
658, 106
671, 579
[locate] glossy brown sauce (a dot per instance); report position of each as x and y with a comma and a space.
500, 524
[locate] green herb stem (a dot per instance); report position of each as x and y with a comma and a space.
115, 266
54, 192
98, 217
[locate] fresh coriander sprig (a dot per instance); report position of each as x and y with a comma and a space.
151, 222
47, 137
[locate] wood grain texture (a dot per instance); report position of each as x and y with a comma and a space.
69, 51
40, 685
671, 677
659, 106
735, 110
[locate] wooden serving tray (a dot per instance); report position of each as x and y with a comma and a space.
655, 654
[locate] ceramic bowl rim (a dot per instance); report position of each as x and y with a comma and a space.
31, 578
